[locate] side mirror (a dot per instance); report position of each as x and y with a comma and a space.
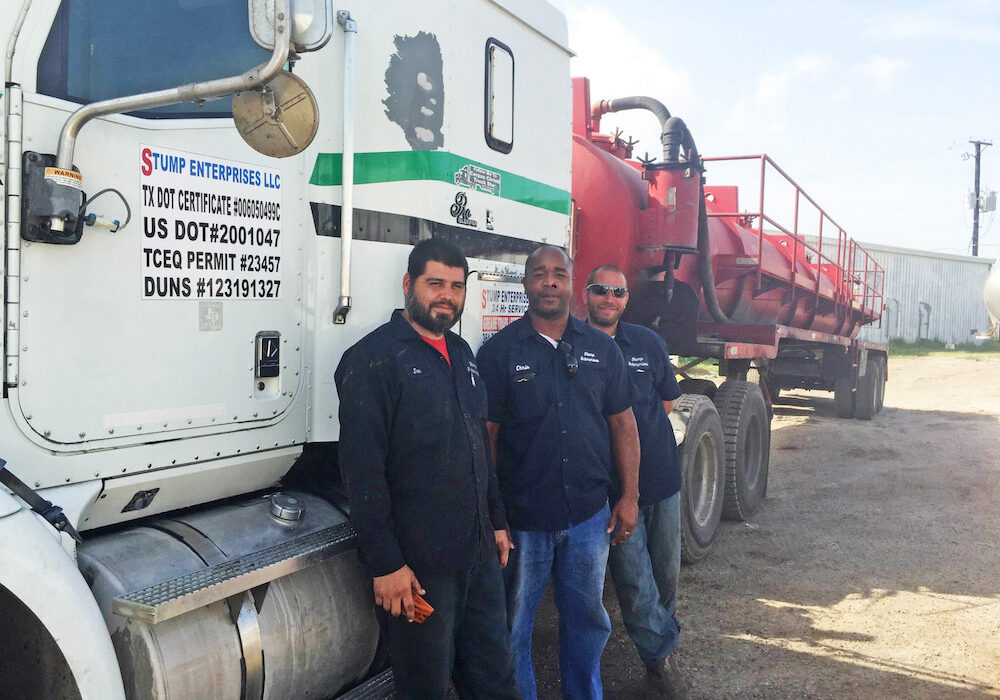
312, 23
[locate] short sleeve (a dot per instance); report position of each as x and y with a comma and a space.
618, 383
491, 370
666, 383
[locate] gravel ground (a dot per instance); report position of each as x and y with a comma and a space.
872, 569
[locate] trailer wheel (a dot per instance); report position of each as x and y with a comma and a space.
843, 397
703, 476
869, 388
880, 389
747, 428
698, 387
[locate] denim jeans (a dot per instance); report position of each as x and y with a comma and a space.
465, 639
577, 559
645, 569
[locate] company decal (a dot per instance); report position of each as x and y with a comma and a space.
461, 213
502, 304
476, 178
211, 227
587, 356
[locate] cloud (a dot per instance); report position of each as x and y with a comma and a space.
882, 70
619, 63
960, 20
767, 106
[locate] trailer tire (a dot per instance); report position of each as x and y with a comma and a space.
698, 387
747, 427
843, 397
866, 401
880, 389
703, 483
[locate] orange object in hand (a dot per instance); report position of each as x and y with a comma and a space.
421, 608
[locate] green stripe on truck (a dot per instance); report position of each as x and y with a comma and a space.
399, 166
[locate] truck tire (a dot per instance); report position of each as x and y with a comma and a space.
747, 428
869, 387
843, 397
703, 482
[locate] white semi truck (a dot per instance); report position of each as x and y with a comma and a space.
183, 270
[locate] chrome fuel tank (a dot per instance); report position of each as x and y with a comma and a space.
308, 634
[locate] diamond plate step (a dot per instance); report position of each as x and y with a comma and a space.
166, 600
382, 687
375, 688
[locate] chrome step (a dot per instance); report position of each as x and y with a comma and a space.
166, 600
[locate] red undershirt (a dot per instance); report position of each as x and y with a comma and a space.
441, 344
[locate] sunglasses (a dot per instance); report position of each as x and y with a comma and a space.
603, 290
572, 366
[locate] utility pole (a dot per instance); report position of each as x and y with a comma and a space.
975, 208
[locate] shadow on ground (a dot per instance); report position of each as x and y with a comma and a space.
871, 570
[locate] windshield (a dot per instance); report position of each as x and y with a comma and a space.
100, 49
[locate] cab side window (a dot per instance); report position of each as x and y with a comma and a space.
499, 96
100, 49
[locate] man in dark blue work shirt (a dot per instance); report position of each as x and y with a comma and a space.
645, 569
559, 410
415, 456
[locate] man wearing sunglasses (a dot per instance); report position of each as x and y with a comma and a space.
559, 410
645, 569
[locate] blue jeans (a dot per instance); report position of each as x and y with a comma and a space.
577, 559
645, 569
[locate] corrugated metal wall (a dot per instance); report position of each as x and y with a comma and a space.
927, 295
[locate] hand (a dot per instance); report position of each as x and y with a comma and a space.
394, 592
624, 516
504, 545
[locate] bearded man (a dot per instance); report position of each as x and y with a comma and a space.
415, 456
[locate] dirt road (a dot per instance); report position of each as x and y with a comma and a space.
872, 570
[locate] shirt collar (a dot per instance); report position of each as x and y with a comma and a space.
402, 330
526, 330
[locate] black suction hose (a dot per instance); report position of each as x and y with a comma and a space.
705, 263
674, 136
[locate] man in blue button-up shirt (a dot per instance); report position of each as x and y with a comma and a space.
559, 410
645, 569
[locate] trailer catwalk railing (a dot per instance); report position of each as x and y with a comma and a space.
857, 279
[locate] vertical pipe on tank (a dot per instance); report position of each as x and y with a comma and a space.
760, 221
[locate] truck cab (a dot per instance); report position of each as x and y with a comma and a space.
180, 282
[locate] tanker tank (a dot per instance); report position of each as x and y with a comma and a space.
690, 256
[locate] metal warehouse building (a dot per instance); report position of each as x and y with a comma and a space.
928, 295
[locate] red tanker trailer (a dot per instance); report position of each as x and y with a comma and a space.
716, 282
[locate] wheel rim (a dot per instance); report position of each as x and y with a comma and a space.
705, 480
752, 452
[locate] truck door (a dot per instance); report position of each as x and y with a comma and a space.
186, 320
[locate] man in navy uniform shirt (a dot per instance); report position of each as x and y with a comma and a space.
646, 567
414, 454
559, 409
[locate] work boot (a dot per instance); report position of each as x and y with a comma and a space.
668, 679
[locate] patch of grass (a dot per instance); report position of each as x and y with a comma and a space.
922, 348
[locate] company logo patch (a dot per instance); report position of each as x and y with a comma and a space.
638, 362
590, 357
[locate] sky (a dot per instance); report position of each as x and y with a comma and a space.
869, 106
